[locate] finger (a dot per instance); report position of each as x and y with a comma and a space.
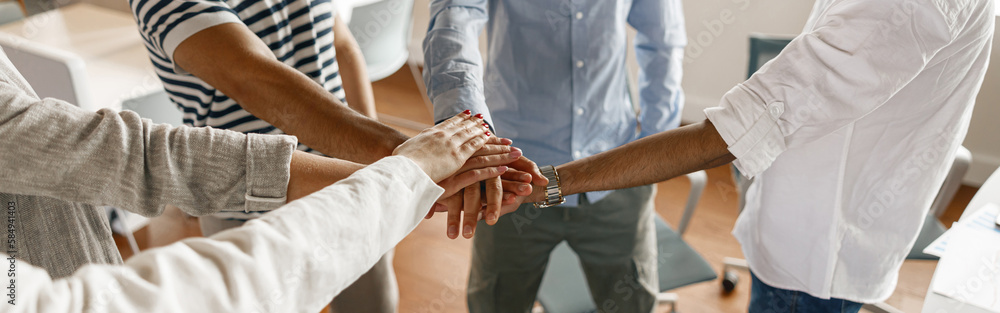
468, 178
491, 149
433, 209
487, 161
517, 188
474, 144
508, 198
454, 120
524, 164
471, 208
454, 204
441, 206
466, 130
517, 176
494, 197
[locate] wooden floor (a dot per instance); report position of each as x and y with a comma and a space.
432, 270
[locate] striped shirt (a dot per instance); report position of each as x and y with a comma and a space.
299, 32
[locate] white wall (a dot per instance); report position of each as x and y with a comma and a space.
984, 132
716, 57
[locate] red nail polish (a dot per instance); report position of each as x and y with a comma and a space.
479, 115
467, 112
487, 134
487, 125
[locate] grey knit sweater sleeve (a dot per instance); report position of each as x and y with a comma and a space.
51, 148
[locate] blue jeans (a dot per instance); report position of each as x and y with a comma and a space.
767, 299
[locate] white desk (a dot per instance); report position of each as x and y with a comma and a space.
936, 303
118, 67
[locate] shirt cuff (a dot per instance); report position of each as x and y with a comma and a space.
412, 173
192, 26
750, 128
452, 102
268, 170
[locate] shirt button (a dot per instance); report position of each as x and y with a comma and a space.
579, 15
577, 154
579, 64
579, 111
776, 109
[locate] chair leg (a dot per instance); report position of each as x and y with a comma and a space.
668, 299
419, 80
407, 123
698, 180
404, 122
126, 230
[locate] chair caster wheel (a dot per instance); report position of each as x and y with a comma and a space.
729, 281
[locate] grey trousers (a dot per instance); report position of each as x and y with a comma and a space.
376, 291
615, 239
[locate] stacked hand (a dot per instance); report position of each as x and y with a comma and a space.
465, 159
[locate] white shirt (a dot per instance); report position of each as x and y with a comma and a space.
294, 259
850, 133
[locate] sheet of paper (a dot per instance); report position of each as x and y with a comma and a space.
981, 220
969, 271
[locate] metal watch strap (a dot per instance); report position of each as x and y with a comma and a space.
553, 191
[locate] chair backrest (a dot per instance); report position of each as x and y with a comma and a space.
988, 193
763, 48
156, 106
382, 30
10, 11
51, 72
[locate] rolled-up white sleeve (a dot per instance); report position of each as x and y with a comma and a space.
858, 56
292, 260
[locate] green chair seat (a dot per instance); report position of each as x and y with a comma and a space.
931, 231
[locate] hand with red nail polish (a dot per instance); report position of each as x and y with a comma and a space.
465, 208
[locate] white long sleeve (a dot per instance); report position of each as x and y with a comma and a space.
292, 260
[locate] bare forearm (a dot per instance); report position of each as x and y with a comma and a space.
234, 60
309, 173
353, 72
286, 99
649, 160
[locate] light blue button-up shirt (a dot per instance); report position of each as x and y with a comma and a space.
555, 74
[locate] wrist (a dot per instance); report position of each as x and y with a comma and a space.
552, 193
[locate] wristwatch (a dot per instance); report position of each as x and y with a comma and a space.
553, 191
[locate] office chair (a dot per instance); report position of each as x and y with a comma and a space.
763, 48
52, 73
157, 107
564, 287
382, 30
